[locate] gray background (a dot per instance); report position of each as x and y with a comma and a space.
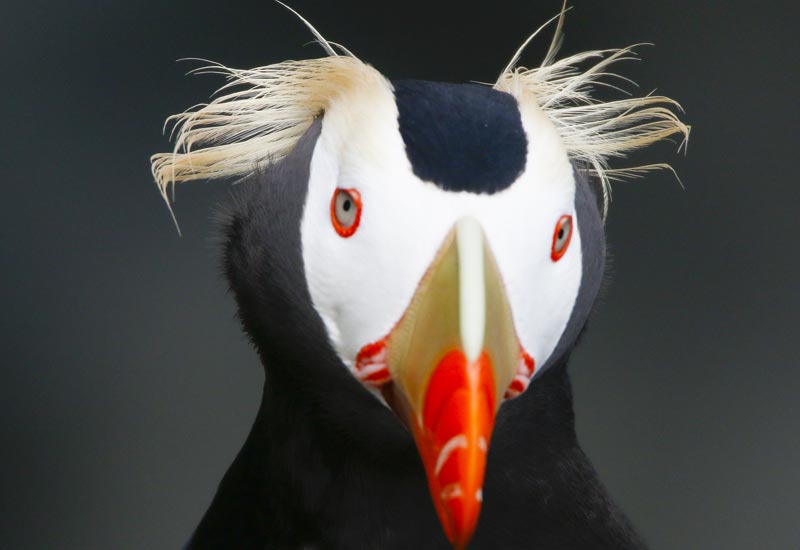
126, 386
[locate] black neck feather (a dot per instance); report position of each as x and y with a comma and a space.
307, 479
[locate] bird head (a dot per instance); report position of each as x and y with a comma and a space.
447, 238
442, 243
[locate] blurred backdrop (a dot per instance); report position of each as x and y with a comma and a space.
126, 386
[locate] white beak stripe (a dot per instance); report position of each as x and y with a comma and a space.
472, 288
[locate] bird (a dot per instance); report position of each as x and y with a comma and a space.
414, 262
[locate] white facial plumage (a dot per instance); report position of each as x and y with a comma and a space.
361, 285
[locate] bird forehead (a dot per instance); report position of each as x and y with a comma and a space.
461, 137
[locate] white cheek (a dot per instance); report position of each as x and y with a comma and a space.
361, 285
541, 292
322, 255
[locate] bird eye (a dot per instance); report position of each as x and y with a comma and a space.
561, 237
346, 211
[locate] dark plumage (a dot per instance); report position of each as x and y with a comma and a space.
462, 137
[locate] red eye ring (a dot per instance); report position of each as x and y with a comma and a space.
561, 238
345, 221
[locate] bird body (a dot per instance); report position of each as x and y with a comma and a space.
413, 262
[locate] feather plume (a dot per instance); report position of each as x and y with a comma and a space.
263, 112
594, 132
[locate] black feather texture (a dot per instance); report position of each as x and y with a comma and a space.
462, 137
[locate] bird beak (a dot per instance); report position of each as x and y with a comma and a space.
451, 358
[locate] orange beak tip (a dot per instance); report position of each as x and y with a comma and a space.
453, 439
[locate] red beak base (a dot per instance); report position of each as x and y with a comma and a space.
453, 435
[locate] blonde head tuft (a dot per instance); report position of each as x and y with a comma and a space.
263, 112
594, 132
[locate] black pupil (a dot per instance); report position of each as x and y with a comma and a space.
561, 233
346, 205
